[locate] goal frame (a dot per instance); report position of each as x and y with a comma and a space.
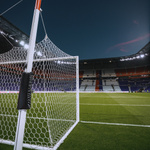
77, 104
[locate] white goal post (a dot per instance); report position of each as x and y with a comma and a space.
54, 104
54, 108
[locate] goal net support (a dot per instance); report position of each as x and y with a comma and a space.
55, 96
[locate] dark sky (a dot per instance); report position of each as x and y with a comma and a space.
88, 28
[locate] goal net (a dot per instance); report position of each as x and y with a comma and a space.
55, 99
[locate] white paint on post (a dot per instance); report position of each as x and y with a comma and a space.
77, 90
20, 130
32, 40
22, 113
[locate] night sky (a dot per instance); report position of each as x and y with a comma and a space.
87, 28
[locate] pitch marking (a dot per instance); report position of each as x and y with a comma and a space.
115, 104
116, 124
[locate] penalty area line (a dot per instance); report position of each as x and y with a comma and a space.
116, 124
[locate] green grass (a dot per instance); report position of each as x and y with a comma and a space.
125, 108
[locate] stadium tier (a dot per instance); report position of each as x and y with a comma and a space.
117, 80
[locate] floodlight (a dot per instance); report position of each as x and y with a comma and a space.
142, 55
1, 32
22, 43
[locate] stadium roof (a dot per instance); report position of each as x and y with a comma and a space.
142, 57
144, 51
10, 35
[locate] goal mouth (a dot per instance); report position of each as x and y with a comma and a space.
55, 96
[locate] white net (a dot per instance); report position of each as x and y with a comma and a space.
54, 107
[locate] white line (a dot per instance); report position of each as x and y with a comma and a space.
8, 115
115, 104
50, 119
116, 124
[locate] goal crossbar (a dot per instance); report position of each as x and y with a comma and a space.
39, 60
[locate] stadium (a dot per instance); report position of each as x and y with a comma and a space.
121, 74
114, 100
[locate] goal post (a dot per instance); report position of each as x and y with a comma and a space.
22, 93
54, 108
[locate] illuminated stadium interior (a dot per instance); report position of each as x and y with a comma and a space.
119, 74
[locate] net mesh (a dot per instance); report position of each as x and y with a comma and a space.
53, 103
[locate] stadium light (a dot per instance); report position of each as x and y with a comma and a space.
22, 43
132, 58
1, 32
142, 55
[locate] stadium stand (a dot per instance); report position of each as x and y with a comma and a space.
121, 74
108, 73
98, 85
110, 85
88, 85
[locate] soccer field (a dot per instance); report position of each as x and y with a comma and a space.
110, 121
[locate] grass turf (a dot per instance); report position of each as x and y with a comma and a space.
126, 108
